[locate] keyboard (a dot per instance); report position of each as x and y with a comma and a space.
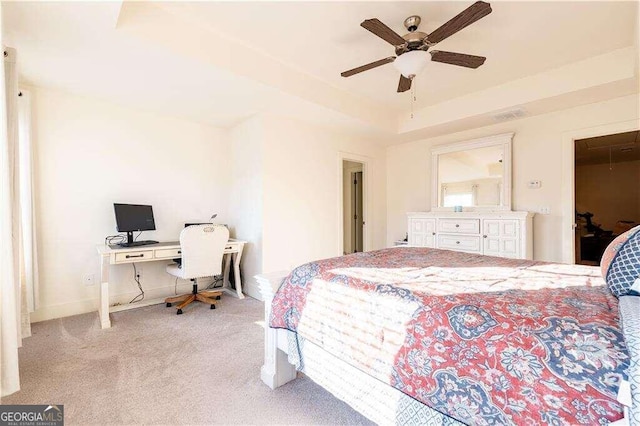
138, 243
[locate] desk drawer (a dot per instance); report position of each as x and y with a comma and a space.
459, 226
134, 256
167, 253
469, 243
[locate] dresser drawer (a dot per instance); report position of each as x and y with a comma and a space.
167, 253
468, 243
459, 226
134, 256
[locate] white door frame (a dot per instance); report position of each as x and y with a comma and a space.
366, 200
568, 178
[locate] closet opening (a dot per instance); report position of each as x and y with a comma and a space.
353, 207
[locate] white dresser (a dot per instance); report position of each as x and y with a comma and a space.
504, 234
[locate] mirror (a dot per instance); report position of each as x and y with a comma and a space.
474, 175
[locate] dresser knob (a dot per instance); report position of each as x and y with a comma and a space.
433, 233
457, 242
457, 226
484, 236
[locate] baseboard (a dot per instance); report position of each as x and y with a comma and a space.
45, 313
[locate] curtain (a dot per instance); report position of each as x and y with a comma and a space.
10, 294
474, 194
18, 255
28, 247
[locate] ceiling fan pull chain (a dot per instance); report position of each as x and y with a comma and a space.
413, 98
610, 165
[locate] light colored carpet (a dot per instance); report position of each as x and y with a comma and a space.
155, 367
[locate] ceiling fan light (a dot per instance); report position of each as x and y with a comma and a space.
411, 63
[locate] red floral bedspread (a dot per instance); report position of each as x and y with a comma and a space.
485, 340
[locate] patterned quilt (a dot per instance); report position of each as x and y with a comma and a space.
482, 339
630, 312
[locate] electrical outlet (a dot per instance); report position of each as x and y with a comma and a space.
544, 210
534, 184
89, 279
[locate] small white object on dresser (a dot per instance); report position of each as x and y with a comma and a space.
499, 233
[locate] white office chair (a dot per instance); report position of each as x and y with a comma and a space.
202, 248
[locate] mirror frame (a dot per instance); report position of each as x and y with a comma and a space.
503, 140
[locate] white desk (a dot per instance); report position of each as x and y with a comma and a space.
153, 253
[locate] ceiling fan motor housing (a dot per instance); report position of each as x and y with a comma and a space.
412, 23
415, 41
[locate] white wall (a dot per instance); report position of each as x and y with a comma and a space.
292, 171
537, 154
302, 215
90, 154
274, 181
246, 196
286, 193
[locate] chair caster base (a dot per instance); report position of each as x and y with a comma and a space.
212, 307
179, 312
168, 305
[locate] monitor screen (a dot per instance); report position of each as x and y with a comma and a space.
134, 217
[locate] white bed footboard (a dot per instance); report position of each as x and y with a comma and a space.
276, 370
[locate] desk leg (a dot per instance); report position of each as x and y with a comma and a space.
103, 308
236, 272
227, 267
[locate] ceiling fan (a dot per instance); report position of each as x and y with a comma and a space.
411, 49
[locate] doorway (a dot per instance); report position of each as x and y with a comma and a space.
607, 195
353, 206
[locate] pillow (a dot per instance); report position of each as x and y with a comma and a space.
620, 263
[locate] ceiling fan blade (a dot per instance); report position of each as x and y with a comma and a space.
404, 84
368, 66
460, 59
381, 30
465, 18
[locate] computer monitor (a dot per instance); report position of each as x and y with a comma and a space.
132, 218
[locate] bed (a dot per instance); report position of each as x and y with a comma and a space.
424, 336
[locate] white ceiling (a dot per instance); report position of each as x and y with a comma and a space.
325, 38
75, 47
87, 56
86, 48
